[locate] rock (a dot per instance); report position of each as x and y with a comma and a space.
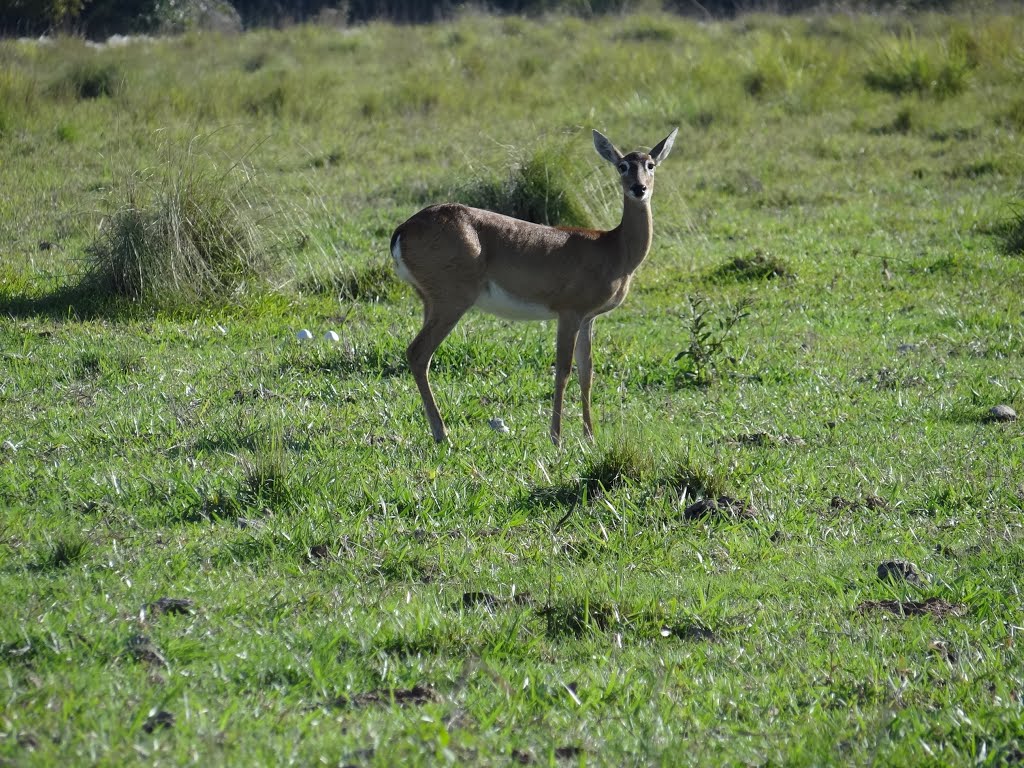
875, 502
723, 506
159, 719
180, 606
1002, 413
145, 650
498, 425
899, 570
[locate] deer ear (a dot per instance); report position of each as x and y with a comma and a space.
661, 151
606, 149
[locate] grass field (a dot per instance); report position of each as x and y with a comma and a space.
222, 546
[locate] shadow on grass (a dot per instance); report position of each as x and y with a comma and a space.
73, 303
621, 463
578, 616
380, 364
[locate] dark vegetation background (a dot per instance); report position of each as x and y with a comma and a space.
101, 18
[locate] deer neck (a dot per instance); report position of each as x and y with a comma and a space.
634, 233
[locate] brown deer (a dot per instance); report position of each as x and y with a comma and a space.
457, 257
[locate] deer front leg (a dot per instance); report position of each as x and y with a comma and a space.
585, 371
568, 328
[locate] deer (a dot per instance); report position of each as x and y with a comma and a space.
456, 258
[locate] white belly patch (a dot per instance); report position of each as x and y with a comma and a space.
495, 300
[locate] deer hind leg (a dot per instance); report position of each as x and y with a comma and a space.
568, 328
585, 371
438, 322
445, 300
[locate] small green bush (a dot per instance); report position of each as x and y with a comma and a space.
1013, 236
17, 98
63, 552
87, 77
711, 331
759, 266
905, 66
624, 461
1014, 116
183, 232
266, 475
691, 480
536, 189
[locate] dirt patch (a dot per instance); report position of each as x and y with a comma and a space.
763, 439
933, 606
335, 550
161, 719
870, 502
691, 632
174, 606
403, 697
524, 757
145, 650
722, 507
491, 602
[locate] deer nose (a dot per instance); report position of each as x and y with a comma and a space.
638, 190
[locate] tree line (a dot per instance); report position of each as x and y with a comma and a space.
101, 18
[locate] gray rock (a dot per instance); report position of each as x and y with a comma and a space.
1002, 413
899, 570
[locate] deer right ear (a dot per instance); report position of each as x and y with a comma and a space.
606, 149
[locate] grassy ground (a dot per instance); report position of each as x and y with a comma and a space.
357, 595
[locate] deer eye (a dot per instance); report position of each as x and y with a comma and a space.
650, 166
623, 168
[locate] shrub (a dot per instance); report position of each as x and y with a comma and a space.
17, 98
65, 551
759, 266
266, 475
184, 231
691, 480
711, 332
906, 66
87, 77
537, 189
1013, 235
625, 461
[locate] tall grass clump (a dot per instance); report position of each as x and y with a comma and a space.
63, 552
1013, 231
904, 65
536, 188
267, 475
184, 231
87, 75
17, 99
625, 461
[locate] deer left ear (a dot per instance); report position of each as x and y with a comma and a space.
661, 151
606, 149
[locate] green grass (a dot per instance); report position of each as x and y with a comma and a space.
362, 596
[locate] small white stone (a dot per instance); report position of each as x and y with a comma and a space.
498, 425
304, 335
331, 336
